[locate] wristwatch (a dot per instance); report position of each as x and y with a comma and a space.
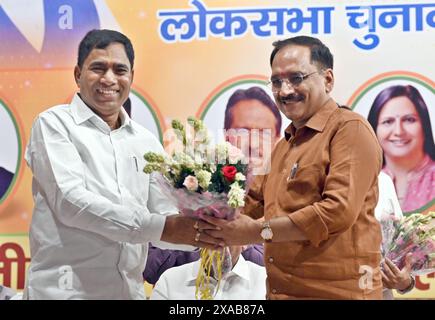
266, 232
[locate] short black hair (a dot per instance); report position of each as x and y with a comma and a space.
252, 93
101, 39
319, 52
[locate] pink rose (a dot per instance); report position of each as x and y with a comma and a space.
191, 183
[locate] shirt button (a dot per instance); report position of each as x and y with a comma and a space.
274, 291
271, 260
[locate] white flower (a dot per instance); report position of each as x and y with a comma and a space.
221, 152
234, 154
184, 159
240, 176
236, 196
212, 167
191, 183
204, 178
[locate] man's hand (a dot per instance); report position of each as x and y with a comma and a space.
240, 231
185, 230
393, 277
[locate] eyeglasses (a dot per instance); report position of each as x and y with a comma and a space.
294, 80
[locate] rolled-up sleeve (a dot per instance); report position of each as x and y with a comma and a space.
355, 162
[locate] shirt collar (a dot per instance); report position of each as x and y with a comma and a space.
241, 270
125, 119
81, 113
318, 121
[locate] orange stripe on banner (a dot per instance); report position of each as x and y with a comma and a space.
154, 107
226, 84
386, 75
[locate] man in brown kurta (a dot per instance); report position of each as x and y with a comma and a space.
322, 240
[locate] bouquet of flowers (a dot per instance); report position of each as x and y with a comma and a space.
202, 179
412, 234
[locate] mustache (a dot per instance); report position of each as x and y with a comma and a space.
292, 98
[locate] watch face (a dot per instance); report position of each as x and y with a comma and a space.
266, 234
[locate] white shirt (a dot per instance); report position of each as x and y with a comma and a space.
95, 209
388, 202
246, 281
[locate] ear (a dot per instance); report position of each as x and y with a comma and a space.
77, 73
329, 80
132, 76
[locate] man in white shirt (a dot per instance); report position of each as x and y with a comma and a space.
245, 281
95, 209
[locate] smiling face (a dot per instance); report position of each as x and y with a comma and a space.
399, 130
105, 79
299, 103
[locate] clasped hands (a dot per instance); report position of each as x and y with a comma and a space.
214, 233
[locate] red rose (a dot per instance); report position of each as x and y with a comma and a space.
229, 173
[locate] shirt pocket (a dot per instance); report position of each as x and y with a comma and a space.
301, 188
140, 180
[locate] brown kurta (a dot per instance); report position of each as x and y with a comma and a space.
324, 177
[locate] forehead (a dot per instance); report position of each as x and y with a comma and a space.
292, 58
113, 53
398, 106
252, 114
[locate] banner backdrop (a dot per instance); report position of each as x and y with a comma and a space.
190, 57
